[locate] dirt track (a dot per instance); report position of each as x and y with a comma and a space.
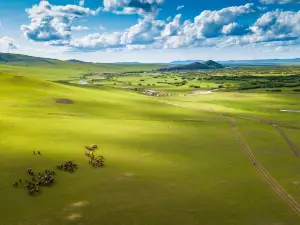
268, 122
263, 172
286, 138
265, 175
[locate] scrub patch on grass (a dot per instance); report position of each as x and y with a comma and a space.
64, 101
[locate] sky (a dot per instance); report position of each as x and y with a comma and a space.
151, 30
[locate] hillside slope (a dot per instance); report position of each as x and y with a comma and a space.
53, 69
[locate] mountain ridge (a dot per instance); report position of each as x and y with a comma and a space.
207, 65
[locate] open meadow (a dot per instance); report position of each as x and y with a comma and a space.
180, 148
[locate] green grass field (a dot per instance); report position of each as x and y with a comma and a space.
169, 160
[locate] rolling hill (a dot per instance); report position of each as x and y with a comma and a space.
54, 69
207, 65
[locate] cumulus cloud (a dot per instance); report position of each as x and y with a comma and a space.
96, 41
7, 44
234, 29
206, 28
229, 28
282, 2
144, 32
81, 2
277, 25
211, 28
141, 7
173, 27
79, 28
210, 23
275, 28
180, 7
137, 36
51, 22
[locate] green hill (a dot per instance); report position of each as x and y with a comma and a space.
212, 64
195, 66
53, 69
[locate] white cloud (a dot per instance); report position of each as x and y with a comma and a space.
79, 28
218, 28
96, 41
277, 25
206, 28
210, 23
180, 7
51, 22
81, 2
173, 27
228, 29
7, 44
144, 32
282, 2
141, 7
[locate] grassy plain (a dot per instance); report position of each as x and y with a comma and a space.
165, 164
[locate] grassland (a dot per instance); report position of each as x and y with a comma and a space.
169, 159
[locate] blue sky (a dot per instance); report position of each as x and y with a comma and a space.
151, 30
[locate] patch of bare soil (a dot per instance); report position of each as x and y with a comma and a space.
296, 183
74, 216
64, 101
80, 204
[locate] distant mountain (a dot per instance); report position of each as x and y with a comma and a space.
257, 62
184, 62
76, 61
207, 65
212, 64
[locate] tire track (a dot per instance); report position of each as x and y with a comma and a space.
263, 121
277, 127
288, 141
262, 171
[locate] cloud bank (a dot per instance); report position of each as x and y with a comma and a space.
281, 2
52, 25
